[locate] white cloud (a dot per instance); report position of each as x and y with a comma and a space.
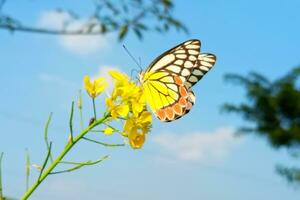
78, 44
198, 146
57, 80
54, 20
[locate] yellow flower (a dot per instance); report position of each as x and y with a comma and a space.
128, 100
118, 76
124, 88
116, 111
136, 140
94, 88
145, 118
135, 128
138, 103
108, 131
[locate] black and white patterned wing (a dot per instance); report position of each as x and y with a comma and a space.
179, 60
204, 63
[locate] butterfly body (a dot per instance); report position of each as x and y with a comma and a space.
168, 80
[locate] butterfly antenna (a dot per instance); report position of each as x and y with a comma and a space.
138, 64
132, 71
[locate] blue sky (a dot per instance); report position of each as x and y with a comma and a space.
196, 157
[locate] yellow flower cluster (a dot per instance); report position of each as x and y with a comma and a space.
128, 102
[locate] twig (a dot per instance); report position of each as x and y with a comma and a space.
94, 108
46, 134
80, 110
27, 168
1, 190
102, 143
46, 161
60, 157
46, 31
79, 165
71, 121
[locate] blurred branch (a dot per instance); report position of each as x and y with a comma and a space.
28, 29
273, 108
291, 174
127, 15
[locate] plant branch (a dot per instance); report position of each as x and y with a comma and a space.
102, 143
79, 165
46, 160
46, 31
61, 156
80, 110
94, 108
1, 190
27, 169
46, 134
71, 121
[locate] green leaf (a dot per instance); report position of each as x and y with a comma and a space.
123, 31
141, 26
103, 28
138, 33
291, 174
167, 3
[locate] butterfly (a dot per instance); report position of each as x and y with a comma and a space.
167, 82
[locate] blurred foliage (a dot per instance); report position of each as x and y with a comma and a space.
122, 17
273, 108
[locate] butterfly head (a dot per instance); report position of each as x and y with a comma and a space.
141, 76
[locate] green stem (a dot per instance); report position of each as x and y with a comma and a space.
1, 192
94, 108
102, 143
46, 160
46, 134
79, 165
71, 121
80, 110
27, 171
60, 157
81, 119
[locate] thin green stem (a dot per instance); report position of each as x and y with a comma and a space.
80, 110
1, 190
71, 121
79, 165
94, 108
59, 158
102, 143
46, 160
27, 170
46, 134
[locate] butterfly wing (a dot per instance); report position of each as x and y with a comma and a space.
167, 95
168, 79
204, 63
